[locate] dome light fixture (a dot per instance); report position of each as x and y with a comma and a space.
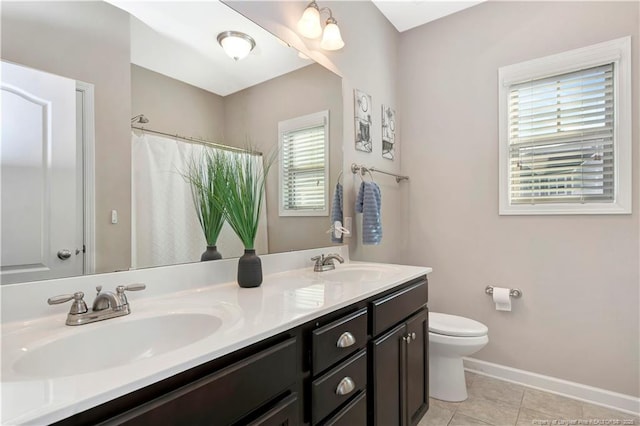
236, 45
309, 26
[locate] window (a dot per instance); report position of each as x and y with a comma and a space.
565, 132
304, 165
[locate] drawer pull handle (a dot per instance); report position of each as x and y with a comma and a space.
345, 386
345, 340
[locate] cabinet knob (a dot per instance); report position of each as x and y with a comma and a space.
345, 386
345, 340
409, 337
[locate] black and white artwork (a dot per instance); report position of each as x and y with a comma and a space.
362, 103
388, 132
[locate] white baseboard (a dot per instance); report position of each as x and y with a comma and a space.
616, 401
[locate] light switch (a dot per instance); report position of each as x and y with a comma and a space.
114, 216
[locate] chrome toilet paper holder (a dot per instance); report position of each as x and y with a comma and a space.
513, 292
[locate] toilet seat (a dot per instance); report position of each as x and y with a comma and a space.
452, 325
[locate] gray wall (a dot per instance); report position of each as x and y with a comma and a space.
87, 41
368, 62
579, 317
252, 115
176, 107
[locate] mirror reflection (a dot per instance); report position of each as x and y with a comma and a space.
77, 71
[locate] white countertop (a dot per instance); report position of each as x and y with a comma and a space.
284, 301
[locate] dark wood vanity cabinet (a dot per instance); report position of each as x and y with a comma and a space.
364, 364
399, 393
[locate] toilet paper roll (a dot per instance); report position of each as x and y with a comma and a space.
502, 299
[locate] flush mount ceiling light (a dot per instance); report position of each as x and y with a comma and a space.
309, 26
236, 44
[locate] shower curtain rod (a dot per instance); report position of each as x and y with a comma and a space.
198, 141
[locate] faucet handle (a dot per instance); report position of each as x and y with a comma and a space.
78, 306
318, 259
131, 287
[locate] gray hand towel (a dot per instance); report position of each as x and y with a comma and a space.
336, 211
369, 202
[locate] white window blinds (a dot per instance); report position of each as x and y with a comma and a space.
303, 174
561, 132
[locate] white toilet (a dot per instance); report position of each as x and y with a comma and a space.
450, 338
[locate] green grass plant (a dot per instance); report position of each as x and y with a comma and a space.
205, 174
243, 192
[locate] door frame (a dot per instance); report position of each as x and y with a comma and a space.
87, 91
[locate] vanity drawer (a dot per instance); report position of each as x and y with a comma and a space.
333, 388
223, 397
353, 414
284, 413
337, 340
393, 308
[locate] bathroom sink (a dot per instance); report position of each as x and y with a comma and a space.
114, 344
356, 272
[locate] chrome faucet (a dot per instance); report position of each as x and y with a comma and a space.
106, 305
325, 263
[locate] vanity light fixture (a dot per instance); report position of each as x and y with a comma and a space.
236, 44
309, 26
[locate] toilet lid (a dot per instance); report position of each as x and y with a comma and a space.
452, 325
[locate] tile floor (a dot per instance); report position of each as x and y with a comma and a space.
498, 403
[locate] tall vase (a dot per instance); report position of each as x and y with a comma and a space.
211, 253
249, 269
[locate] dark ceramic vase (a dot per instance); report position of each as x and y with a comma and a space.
211, 253
249, 269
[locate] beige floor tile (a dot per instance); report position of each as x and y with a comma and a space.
453, 406
493, 412
552, 404
498, 390
469, 377
528, 417
462, 420
438, 415
590, 411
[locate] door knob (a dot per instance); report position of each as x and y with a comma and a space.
64, 254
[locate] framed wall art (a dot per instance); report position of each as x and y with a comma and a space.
388, 132
362, 104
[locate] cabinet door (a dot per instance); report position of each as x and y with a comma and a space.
387, 368
417, 367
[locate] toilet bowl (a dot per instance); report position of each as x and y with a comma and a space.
450, 338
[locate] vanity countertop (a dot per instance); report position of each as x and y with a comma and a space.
284, 301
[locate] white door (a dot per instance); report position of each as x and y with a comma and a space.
41, 177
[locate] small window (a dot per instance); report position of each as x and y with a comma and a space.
304, 165
565, 140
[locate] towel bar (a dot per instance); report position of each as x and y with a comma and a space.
355, 168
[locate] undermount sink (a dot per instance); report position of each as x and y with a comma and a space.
356, 272
113, 345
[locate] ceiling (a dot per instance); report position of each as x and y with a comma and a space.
178, 39
407, 14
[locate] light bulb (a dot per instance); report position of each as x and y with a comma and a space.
331, 38
309, 24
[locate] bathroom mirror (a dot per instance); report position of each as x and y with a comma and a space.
161, 60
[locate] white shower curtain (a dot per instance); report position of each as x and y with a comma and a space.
165, 228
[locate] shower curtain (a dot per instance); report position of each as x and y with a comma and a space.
165, 228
